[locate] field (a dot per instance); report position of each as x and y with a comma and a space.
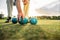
43, 30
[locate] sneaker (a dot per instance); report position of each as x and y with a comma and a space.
8, 20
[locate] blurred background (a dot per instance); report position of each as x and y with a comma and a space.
36, 8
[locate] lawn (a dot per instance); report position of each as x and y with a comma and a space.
43, 30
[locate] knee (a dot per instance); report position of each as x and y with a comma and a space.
25, 2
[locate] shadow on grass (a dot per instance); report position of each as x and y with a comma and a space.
25, 32
9, 30
15, 31
33, 32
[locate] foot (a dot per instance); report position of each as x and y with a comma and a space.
8, 20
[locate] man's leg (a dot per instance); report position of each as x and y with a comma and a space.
26, 7
9, 9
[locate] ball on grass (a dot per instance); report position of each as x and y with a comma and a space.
14, 20
23, 21
33, 21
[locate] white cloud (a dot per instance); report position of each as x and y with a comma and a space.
34, 4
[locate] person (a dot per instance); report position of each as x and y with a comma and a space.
9, 8
26, 5
19, 9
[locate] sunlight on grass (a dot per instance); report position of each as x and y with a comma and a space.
47, 29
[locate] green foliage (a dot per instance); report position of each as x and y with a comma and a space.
59, 17
1, 16
54, 17
50, 17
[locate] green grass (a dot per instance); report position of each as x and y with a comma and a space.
44, 30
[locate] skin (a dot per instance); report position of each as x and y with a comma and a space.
19, 9
18, 5
26, 7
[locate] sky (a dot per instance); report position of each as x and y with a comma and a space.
52, 9
34, 4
